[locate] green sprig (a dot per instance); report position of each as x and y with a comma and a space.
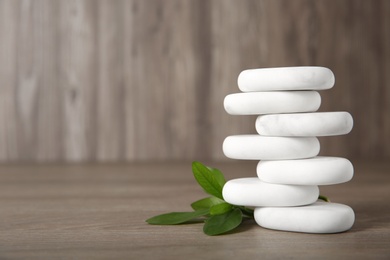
218, 216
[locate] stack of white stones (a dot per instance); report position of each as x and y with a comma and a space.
285, 194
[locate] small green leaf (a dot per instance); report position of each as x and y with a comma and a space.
219, 224
207, 179
174, 218
206, 203
220, 208
324, 198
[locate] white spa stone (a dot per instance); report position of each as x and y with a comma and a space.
320, 170
320, 217
286, 78
256, 147
258, 103
255, 193
305, 124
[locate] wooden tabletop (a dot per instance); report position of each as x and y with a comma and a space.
99, 211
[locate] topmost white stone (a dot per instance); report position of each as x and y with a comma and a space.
286, 78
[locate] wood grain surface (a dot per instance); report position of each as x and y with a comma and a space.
99, 211
144, 80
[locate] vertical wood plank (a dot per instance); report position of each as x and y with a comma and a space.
28, 75
385, 75
78, 78
130, 90
110, 91
9, 21
49, 116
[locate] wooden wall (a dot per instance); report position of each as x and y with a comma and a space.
142, 80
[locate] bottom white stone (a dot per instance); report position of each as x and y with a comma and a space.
319, 217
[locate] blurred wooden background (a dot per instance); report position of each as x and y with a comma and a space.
144, 80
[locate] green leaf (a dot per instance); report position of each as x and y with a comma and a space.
174, 218
219, 224
218, 176
206, 203
220, 208
207, 179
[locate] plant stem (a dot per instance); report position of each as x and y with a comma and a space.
324, 198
